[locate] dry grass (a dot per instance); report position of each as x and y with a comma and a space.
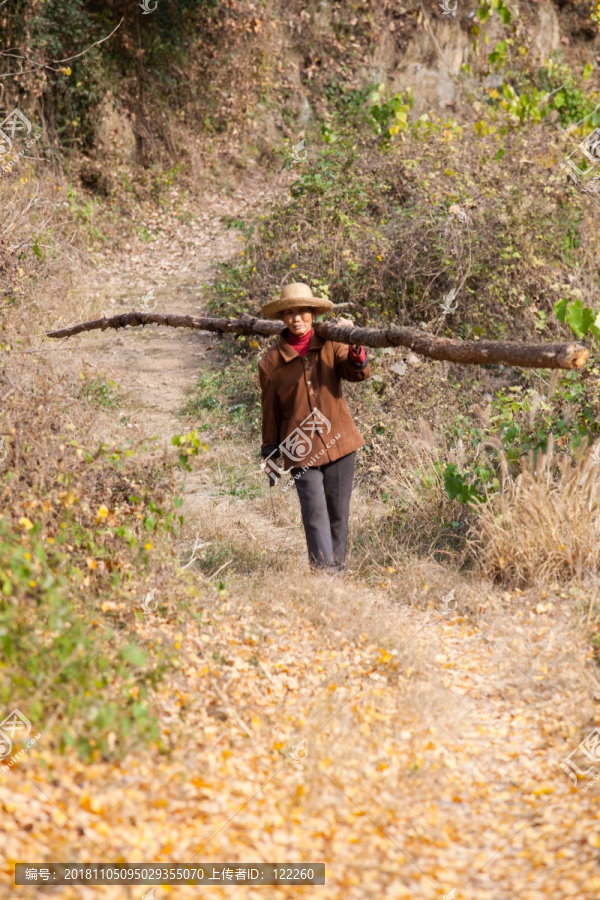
418, 515
541, 527
544, 525
38, 248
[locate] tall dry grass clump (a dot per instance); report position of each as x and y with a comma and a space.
544, 525
421, 517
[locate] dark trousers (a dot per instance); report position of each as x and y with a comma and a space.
324, 493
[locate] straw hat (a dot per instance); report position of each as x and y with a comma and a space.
292, 295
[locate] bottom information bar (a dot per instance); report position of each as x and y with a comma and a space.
172, 873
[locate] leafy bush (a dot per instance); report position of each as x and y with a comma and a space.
79, 535
70, 90
405, 235
104, 394
54, 652
567, 95
521, 420
412, 480
390, 113
581, 319
189, 445
470, 486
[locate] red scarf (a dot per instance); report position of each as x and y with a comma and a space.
300, 344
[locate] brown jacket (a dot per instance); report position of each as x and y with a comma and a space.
304, 414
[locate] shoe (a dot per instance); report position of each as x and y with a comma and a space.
326, 570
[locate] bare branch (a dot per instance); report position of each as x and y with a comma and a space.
52, 62
95, 44
536, 356
19, 215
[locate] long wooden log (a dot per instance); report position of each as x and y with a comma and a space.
508, 353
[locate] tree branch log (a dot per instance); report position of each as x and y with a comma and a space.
536, 356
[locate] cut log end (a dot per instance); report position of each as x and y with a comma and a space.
575, 357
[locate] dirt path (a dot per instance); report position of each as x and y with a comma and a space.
432, 744
156, 366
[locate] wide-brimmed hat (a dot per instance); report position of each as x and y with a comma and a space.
292, 295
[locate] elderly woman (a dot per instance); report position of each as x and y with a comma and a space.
305, 418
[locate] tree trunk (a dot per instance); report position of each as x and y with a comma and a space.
536, 356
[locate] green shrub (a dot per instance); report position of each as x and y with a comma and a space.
104, 394
72, 89
229, 396
59, 663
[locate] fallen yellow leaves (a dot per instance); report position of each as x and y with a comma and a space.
409, 767
90, 803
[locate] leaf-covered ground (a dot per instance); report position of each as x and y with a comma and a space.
431, 761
